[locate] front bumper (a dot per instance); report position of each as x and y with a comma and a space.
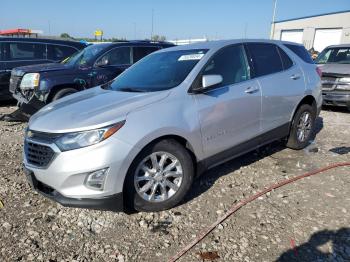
63, 178
336, 98
111, 203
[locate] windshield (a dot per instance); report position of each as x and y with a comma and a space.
158, 71
340, 55
85, 56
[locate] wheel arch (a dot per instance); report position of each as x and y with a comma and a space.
309, 100
178, 138
56, 88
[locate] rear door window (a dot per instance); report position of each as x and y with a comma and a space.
301, 52
26, 51
286, 61
231, 64
266, 59
141, 51
60, 52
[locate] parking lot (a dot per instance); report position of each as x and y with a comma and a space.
305, 221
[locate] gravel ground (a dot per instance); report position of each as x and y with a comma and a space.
311, 215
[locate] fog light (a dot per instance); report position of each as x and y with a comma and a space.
95, 180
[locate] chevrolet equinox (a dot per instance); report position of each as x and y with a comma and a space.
138, 141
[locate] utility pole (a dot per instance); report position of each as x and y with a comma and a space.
273, 19
245, 30
49, 27
152, 23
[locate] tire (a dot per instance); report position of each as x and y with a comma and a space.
64, 92
296, 140
158, 181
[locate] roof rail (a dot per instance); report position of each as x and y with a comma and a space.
149, 41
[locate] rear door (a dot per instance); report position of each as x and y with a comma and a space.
282, 85
229, 114
140, 52
111, 64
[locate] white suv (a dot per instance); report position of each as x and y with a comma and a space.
138, 141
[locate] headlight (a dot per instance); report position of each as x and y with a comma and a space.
77, 140
343, 83
344, 80
30, 80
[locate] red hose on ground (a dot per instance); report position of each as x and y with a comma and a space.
234, 208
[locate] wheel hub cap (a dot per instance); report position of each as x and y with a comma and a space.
158, 177
304, 127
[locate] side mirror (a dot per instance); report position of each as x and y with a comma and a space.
207, 82
102, 62
211, 80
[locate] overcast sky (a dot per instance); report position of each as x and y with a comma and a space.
178, 19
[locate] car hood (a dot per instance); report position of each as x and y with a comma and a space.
20, 71
335, 69
90, 109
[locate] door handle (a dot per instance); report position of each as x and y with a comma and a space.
295, 76
251, 90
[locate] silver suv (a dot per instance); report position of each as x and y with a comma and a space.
139, 141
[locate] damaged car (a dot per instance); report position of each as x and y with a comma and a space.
334, 63
19, 51
37, 85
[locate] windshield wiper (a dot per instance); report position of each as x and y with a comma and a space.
130, 89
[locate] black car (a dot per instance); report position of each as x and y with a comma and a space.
15, 52
95, 65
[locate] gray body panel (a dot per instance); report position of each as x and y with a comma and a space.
211, 122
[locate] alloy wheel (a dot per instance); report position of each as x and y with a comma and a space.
158, 177
304, 126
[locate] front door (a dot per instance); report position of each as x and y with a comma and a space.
229, 114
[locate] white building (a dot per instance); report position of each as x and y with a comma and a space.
318, 31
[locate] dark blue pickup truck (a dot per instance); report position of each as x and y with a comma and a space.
95, 65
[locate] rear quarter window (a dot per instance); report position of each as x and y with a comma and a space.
301, 52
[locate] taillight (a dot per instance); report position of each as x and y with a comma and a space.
319, 71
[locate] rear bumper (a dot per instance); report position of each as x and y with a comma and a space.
111, 203
336, 99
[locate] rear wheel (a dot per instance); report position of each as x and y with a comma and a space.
302, 128
160, 177
64, 92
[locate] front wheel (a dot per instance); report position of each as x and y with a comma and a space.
302, 128
64, 92
159, 177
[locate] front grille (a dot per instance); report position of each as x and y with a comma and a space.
329, 83
15, 82
46, 138
37, 154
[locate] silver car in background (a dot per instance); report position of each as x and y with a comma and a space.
139, 141
334, 62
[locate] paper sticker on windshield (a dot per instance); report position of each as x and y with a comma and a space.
191, 57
